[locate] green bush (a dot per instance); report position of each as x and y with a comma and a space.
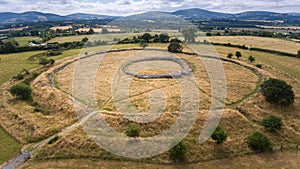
259, 142
21, 91
230, 55
133, 130
175, 47
238, 54
278, 92
219, 135
272, 123
259, 65
251, 59
53, 140
178, 153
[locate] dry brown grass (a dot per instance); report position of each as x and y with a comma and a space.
77, 144
278, 160
259, 42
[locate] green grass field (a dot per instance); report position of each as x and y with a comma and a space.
9, 146
23, 41
286, 64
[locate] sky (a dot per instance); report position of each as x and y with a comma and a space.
128, 7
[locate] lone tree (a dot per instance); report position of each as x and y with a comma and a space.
298, 54
229, 55
251, 59
178, 153
189, 34
278, 92
238, 54
175, 47
133, 131
219, 135
272, 123
259, 142
21, 91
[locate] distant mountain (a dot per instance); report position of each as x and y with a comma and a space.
32, 16
83, 16
196, 13
199, 14
193, 13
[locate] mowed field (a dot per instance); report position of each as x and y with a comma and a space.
259, 42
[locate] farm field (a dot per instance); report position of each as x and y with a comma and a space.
259, 42
23, 41
102, 37
285, 64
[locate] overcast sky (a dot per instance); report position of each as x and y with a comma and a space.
127, 7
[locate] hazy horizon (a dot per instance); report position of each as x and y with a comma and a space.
129, 7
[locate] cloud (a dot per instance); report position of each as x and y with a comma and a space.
127, 7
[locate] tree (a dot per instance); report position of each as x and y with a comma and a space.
104, 31
21, 91
298, 54
9, 46
259, 142
251, 58
238, 54
91, 31
272, 123
278, 92
85, 39
133, 130
189, 34
230, 55
178, 153
219, 135
175, 47
164, 38
146, 37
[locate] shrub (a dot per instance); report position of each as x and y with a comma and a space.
143, 44
21, 91
133, 131
53, 140
230, 55
175, 47
298, 53
259, 142
43, 61
54, 53
219, 135
178, 153
238, 54
278, 92
259, 65
251, 59
272, 123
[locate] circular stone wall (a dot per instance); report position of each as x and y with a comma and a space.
186, 68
